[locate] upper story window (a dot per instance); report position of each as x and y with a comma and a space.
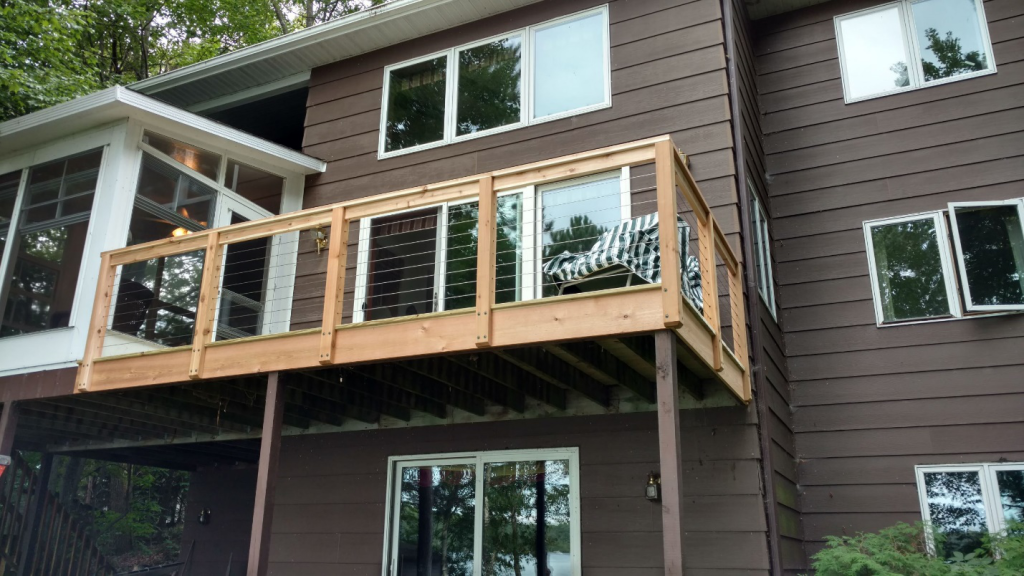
43, 246
544, 72
912, 44
915, 268
509, 512
964, 503
762, 250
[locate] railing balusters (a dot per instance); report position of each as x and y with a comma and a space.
57, 539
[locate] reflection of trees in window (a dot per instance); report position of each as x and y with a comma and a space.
956, 509
909, 269
992, 243
460, 273
526, 517
489, 86
416, 103
950, 57
437, 520
1011, 493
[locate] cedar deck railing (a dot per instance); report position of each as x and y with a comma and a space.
604, 313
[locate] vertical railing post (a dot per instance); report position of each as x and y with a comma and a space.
671, 266
334, 291
709, 283
206, 309
98, 322
487, 241
739, 322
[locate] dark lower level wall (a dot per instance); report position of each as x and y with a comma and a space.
229, 495
329, 517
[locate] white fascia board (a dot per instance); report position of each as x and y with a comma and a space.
117, 103
282, 44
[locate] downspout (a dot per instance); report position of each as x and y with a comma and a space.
757, 371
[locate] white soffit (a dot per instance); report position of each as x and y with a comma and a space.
358, 33
758, 9
119, 103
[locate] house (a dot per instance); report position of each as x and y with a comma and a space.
393, 287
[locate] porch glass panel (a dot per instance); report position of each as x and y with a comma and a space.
403, 249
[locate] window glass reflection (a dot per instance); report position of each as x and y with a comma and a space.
157, 299
908, 265
416, 104
1011, 494
436, 520
202, 161
460, 265
49, 241
575, 215
403, 248
874, 54
950, 38
526, 519
489, 92
569, 65
956, 510
992, 244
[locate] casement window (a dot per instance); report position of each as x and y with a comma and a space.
762, 250
918, 273
966, 502
482, 514
544, 72
424, 260
912, 44
43, 234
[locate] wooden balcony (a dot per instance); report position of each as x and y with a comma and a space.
596, 315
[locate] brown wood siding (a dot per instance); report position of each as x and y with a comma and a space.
871, 403
779, 427
668, 77
229, 494
330, 509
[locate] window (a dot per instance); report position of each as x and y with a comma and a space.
48, 239
762, 250
424, 260
964, 503
911, 261
912, 44
542, 73
513, 512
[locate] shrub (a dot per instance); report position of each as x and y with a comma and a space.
902, 550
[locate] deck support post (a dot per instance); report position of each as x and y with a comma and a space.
266, 478
669, 451
35, 509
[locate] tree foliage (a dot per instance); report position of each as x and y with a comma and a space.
56, 50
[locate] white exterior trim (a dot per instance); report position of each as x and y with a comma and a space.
118, 103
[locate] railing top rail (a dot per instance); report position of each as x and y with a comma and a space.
570, 166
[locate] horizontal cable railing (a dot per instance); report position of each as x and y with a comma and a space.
628, 217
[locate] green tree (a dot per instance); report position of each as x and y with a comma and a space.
950, 59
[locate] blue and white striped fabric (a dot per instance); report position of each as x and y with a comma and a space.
635, 246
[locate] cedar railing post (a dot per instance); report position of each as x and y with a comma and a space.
98, 322
669, 443
206, 309
709, 281
487, 239
671, 267
334, 292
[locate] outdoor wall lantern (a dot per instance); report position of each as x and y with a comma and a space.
653, 489
320, 237
204, 516
5, 461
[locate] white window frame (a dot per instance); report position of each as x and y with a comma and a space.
766, 284
526, 85
971, 306
994, 520
915, 72
945, 254
532, 242
478, 459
